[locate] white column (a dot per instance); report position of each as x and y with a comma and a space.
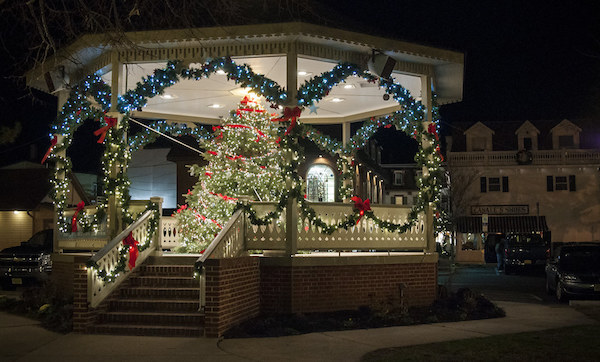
113, 212
291, 211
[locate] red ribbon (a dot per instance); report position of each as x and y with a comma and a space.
133, 249
53, 142
361, 206
110, 122
80, 207
433, 130
289, 114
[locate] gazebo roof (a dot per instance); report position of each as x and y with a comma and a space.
263, 47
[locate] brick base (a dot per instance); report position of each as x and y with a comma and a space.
232, 293
301, 285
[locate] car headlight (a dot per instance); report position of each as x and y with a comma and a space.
570, 278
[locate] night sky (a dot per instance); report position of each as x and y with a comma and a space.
523, 59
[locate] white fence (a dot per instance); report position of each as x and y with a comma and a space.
507, 158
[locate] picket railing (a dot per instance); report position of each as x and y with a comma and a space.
169, 237
538, 157
108, 258
366, 235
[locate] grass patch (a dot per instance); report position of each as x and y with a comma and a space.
459, 306
44, 303
578, 343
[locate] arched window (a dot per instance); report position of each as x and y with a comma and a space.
320, 185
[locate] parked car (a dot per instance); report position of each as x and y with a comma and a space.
28, 262
574, 271
525, 249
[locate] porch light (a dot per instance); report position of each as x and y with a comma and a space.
16, 212
168, 96
337, 100
349, 86
215, 106
304, 73
220, 72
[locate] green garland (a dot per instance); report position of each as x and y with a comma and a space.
409, 118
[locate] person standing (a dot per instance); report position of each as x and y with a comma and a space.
500, 245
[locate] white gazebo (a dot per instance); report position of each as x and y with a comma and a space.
386, 81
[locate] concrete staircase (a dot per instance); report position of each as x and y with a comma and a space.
160, 299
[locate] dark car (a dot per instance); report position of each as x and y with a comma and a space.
574, 271
524, 250
28, 262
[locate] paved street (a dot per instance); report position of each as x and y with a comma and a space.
525, 287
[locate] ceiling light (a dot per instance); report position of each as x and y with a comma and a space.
337, 100
168, 96
220, 72
215, 105
304, 73
349, 86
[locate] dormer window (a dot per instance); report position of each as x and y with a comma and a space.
566, 142
478, 144
479, 138
565, 135
527, 136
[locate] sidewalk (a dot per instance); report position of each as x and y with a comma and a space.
22, 339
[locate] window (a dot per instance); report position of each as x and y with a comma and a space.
479, 144
527, 143
494, 184
560, 183
399, 178
320, 184
399, 200
566, 141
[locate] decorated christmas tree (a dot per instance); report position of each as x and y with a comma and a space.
244, 160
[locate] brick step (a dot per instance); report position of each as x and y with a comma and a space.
164, 281
160, 293
153, 318
153, 305
168, 270
141, 330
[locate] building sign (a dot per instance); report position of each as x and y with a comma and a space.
500, 209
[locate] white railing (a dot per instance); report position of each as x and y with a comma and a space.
366, 235
169, 237
108, 257
538, 157
229, 243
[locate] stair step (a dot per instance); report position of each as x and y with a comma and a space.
164, 281
168, 270
152, 305
153, 318
143, 330
160, 293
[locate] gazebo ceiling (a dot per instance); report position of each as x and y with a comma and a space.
208, 100
263, 48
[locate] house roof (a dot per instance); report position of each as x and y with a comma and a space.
505, 138
23, 189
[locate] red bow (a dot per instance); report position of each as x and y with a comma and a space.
133, 249
433, 130
79, 208
52, 144
361, 206
110, 122
289, 114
